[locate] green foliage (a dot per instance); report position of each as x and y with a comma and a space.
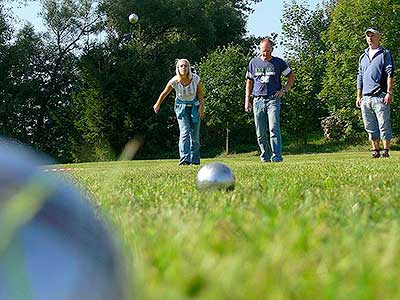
5, 28
69, 21
295, 20
39, 76
31, 108
223, 78
91, 122
309, 228
200, 25
305, 49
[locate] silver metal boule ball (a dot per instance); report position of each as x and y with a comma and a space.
215, 176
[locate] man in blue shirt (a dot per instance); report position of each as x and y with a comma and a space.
375, 91
264, 85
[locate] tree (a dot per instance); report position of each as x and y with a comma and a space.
90, 121
304, 48
69, 22
40, 76
70, 25
19, 111
5, 38
223, 79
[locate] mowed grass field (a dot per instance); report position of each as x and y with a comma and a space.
323, 226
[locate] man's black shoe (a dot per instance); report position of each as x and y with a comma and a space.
375, 153
385, 153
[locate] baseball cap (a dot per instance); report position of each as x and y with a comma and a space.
373, 30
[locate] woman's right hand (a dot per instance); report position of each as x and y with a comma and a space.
156, 107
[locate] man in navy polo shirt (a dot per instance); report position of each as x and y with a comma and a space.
264, 85
374, 92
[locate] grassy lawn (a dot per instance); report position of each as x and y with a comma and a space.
321, 226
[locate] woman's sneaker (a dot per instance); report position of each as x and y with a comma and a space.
385, 153
375, 153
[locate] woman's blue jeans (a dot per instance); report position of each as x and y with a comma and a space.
267, 123
189, 137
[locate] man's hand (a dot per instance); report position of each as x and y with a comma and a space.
280, 94
388, 99
247, 105
247, 100
358, 102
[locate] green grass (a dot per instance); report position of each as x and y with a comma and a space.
321, 226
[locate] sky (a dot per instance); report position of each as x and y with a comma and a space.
264, 21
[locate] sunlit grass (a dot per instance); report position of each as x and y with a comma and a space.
323, 226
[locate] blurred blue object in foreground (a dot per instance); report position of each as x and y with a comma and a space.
53, 245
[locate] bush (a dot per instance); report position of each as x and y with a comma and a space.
343, 125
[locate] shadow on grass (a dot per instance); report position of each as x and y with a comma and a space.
292, 147
325, 147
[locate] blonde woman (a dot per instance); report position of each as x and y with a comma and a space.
188, 109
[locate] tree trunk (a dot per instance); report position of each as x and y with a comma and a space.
227, 141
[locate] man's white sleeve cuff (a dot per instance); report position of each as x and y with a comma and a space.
286, 72
249, 75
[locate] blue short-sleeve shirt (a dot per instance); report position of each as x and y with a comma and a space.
267, 75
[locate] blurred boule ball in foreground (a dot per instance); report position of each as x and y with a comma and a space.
215, 176
53, 244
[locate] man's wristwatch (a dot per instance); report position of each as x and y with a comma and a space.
284, 90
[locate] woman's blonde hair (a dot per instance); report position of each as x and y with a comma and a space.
178, 61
